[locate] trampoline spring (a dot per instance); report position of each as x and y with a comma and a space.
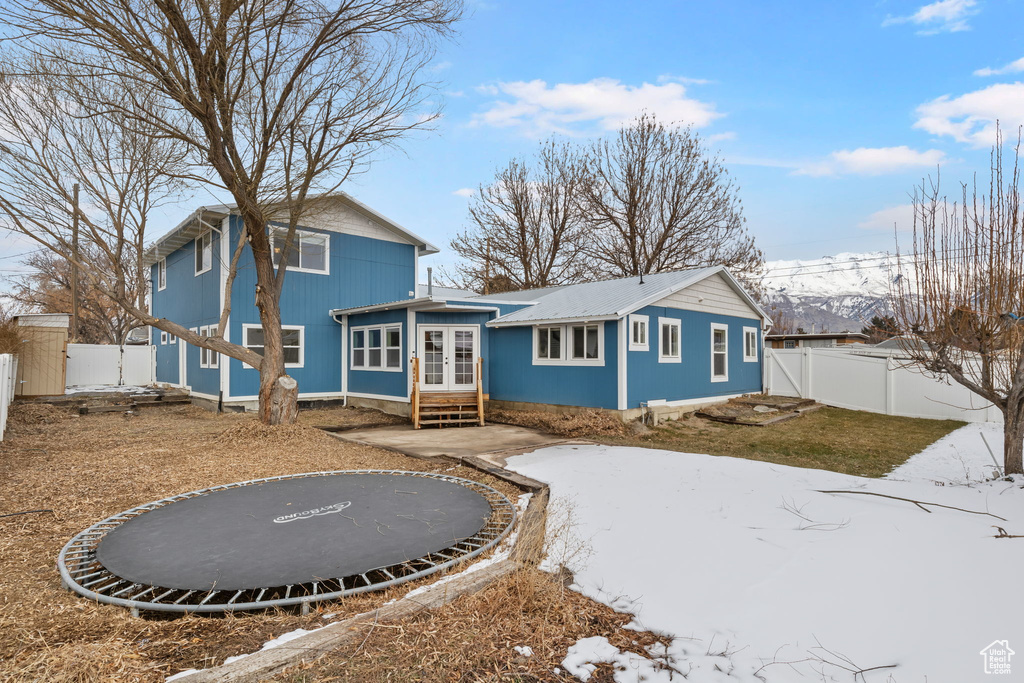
288, 591
89, 576
139, 595
99, 580
387, 573
368, 582
163, 595
125, 590
108, 586
260, 596
207, 598
235, 596
178, 601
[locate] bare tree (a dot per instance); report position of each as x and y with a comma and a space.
525, 227
47, 289
656, 201
962, 303
275, 101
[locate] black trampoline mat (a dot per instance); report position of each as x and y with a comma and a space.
293, 531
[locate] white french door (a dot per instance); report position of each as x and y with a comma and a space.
448, 356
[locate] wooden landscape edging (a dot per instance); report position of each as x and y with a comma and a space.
526, 552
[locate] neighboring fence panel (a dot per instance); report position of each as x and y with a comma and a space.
8, 379
104, 364
842, 378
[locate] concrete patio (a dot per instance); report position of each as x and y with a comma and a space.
453, 442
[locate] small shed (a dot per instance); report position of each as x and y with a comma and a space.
42, 357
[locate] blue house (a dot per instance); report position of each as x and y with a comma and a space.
357, 324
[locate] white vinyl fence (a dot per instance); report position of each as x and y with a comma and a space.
8, 379
846, 379
105, 364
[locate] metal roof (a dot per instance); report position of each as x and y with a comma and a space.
607, 299
193, 226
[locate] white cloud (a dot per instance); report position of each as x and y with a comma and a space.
939, 17
440, 66
464, 192
718, 137
971, 117
685, 80
873, 161
900, 217
539, 109
1013, 67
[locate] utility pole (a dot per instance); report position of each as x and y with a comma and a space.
74, 268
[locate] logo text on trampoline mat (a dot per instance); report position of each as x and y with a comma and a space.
306, 514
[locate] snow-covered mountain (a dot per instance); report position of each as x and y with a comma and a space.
834, 293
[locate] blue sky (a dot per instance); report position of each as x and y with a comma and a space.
826, 113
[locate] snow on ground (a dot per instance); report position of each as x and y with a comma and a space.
757, 576
107, 389
960, 457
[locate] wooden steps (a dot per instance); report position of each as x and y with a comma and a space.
447, 408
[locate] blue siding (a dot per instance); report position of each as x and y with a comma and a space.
454, 318
648, 379
191, 301
514, 377
378, 381
363, 271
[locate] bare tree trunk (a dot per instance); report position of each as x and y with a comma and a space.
1013, 440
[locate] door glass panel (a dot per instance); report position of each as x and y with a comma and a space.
433, 357
464, 357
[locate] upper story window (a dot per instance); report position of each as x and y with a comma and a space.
669, 340
789, 344
749, 344
204, 252
161, 274
579, 344
377, 347
719, 352
308, 253
638, 333
292, 342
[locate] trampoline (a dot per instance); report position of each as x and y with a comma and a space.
289, 540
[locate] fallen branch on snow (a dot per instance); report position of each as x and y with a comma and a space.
919, 503
1002, 533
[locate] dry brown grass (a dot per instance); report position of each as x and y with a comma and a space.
349, 417
586, 424
87, 468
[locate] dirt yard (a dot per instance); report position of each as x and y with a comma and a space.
83, 469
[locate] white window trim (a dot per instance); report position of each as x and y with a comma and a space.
383, 327
302, 343
163, 338
302, 233
171, 339
198, 245
669, 322
714, 328
746, 358
566, 358
161, 275
634, 346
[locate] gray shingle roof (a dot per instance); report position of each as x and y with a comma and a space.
597, 300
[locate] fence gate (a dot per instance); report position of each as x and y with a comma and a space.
109, 365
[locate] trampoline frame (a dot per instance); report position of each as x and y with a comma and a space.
80, 570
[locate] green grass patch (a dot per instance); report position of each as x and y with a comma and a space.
844, 441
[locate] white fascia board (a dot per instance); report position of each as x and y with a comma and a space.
497, 322
698, 277
406, 303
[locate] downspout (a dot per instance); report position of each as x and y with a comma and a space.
344, 357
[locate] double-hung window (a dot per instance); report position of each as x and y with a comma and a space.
163, 337
749, 344
208, 358
307, 253
204, 252
292, 343
161, 274
669, 340
638, 333
571, 344
719, 352
377, 347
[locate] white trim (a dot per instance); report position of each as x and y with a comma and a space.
161, 274
633, 319
163, 338
209, 397
195, 256
225, 267
670, 322
302, 343
696, 401
297, 247
171, 339
448, 330
383, 327
625, 332
413, 344
566, 345
344, 354
715, 327
312, 394
398, 399
746, 358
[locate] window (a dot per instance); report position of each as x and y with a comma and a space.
749, 344
377, 348
789, 344
292, 341
638, 333
668, 341
208, 358
308, 253
163, 337
171, 338
579, 344
549, 343
204, 252
161, 274
719, 353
